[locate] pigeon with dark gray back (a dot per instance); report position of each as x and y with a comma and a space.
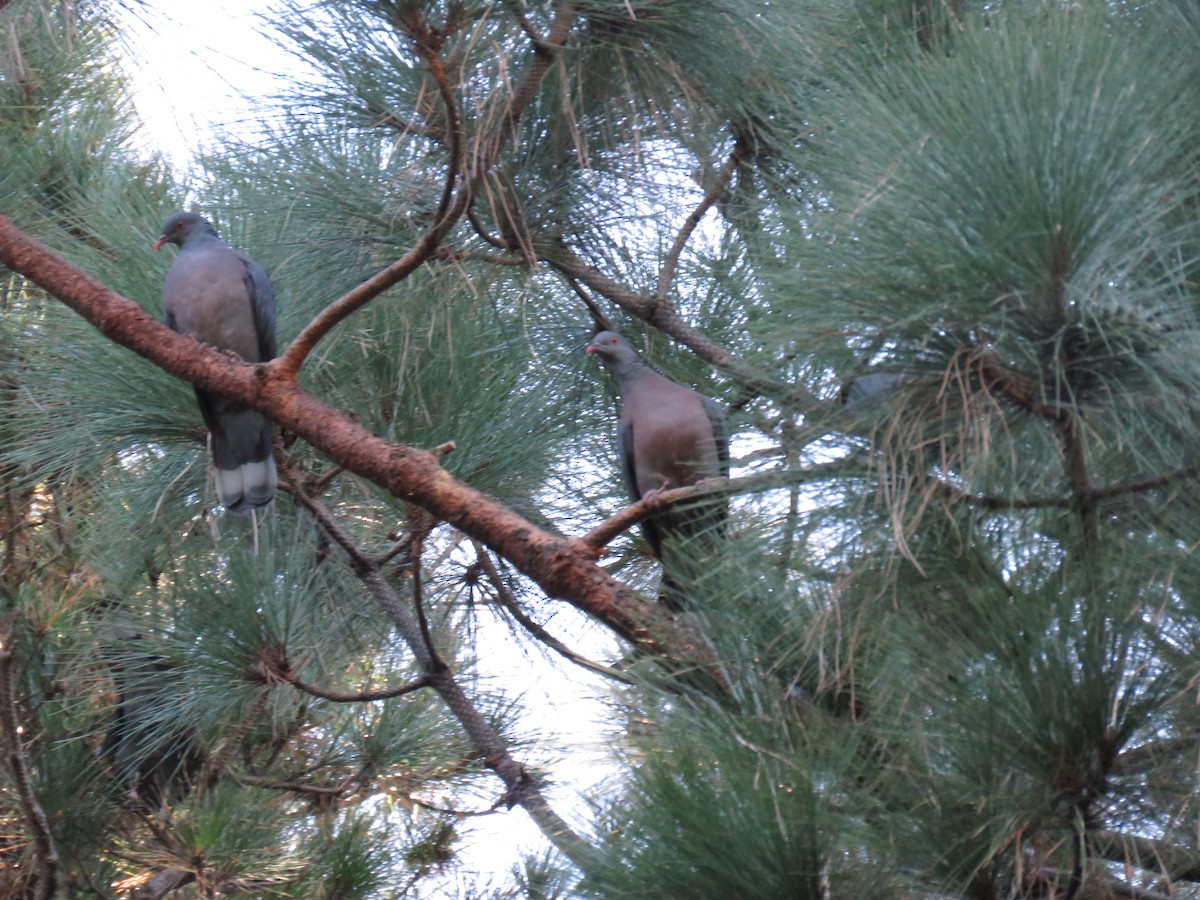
668, 436
225, 299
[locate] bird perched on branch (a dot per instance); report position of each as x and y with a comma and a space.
668, 436
225, 299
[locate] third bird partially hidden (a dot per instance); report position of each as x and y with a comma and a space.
225, 300
668, 436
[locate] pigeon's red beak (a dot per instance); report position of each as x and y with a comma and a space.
158, 244
589, 349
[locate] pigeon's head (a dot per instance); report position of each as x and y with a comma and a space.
611, 348
182, 226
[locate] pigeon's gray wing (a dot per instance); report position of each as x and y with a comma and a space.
629, 474
628, 464
720, 430
261, 294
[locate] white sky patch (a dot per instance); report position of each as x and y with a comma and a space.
200, 69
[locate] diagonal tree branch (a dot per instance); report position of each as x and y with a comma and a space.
545, 52
523, 789
430, 51
666, 319
504, 596
667, 274
621, 521
305, 342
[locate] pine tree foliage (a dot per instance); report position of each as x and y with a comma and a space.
938, 259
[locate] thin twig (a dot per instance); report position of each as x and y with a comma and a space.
667, 320
953, 494
1176, 861
667, 273
164, 882
988, 501
289, 362
526, 27
215, 765
487, 236
454, 123
382, 118
1136, 760
296, 787
1075, 461
545, 52
1146, 484
456, 813
598, 318
1114, 888
355, 696
403, 545
319, 484
1018, 387
417, 544
35, 817
494, 259
504, 596
602, 534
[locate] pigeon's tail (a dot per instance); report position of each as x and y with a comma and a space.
242, 452
688, 542
247, 487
